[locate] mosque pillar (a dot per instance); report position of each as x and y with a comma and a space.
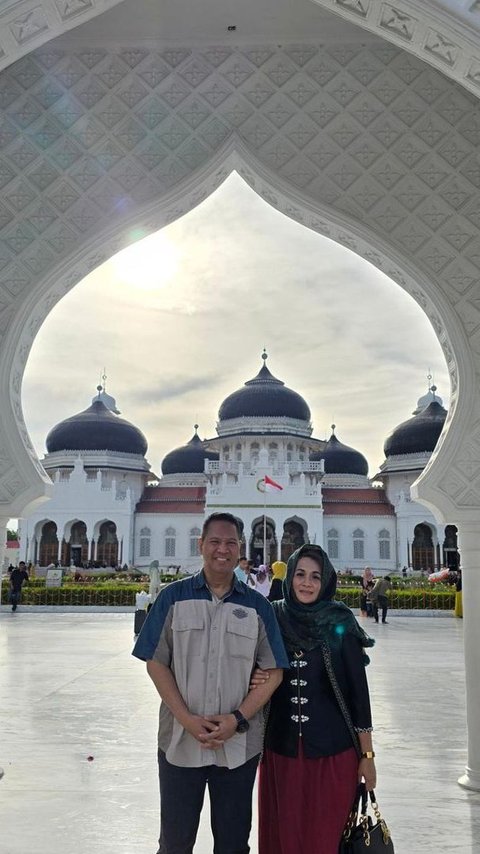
469, 542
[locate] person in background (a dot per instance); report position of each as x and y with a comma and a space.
279, 569
251, 575
155, 581
18, 577
201, 641
241, 569
310, 768
262, 581
368, 582
458, 594
378, 597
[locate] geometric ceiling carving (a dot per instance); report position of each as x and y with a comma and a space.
89, 135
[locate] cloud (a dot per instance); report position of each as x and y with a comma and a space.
338, 331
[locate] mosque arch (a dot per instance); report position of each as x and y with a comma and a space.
423, 548
294, 535
75, 547
107, 546
451, 557
426, 271
48, 544
257, 541
398, 185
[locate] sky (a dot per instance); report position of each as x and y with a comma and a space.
179, 321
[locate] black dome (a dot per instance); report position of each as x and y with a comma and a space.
262, 397
188, 459
341, 459
96, 429
418, 434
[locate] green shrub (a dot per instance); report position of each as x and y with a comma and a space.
122, 593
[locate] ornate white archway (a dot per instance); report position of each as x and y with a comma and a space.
362, 143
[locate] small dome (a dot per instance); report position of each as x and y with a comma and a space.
419, 434
96, 429
264, 396
341, 459
428, 398
107, 399
189, 458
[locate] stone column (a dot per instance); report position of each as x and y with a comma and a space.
469, 543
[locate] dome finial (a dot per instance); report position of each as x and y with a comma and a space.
429, 378
195, 427
264, 355
104, 378
333, 427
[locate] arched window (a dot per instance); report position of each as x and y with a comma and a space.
194, 544
254, 451
226, 452
272, 452
384, 544
289, 452
170, 542
238, 452
332, 544
145, 539
358, 544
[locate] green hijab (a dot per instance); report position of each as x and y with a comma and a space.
306, 626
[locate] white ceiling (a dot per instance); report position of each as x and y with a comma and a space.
207, 21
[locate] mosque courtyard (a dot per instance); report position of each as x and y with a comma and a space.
78, 736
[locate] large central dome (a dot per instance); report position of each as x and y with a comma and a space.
264, 397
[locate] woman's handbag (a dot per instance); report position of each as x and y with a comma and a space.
361, 835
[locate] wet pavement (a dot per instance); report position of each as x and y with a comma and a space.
78, 718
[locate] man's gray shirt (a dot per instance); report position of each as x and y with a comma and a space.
211, 645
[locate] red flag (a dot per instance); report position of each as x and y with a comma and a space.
271, 485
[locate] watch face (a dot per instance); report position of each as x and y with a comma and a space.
242, 723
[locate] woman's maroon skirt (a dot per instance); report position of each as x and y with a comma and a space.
304, 803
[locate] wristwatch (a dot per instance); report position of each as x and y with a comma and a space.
369, 754
242, 723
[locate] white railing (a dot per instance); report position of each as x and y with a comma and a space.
276, 469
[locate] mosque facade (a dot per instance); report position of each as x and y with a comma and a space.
285, 486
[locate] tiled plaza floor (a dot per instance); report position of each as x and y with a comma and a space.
69, 689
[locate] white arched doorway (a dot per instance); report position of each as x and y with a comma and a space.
364, 144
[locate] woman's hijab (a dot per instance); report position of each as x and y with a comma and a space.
307, 626
279, 569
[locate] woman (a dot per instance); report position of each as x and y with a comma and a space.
368, 581
262, 581
279, 570
310, 768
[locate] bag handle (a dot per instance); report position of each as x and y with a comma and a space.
340, 699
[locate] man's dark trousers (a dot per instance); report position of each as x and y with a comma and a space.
182, 792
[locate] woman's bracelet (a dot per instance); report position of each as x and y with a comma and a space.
369, 754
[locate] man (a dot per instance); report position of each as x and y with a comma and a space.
378, 597
201, 641
241, 571
17, 577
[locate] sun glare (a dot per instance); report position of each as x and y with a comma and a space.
148, 264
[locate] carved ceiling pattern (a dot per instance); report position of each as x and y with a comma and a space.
27, 24
443, 33
90, 138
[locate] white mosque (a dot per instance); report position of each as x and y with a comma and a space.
107, 508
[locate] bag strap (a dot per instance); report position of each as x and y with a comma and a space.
327, 658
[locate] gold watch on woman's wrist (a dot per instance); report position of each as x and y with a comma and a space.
368, 754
